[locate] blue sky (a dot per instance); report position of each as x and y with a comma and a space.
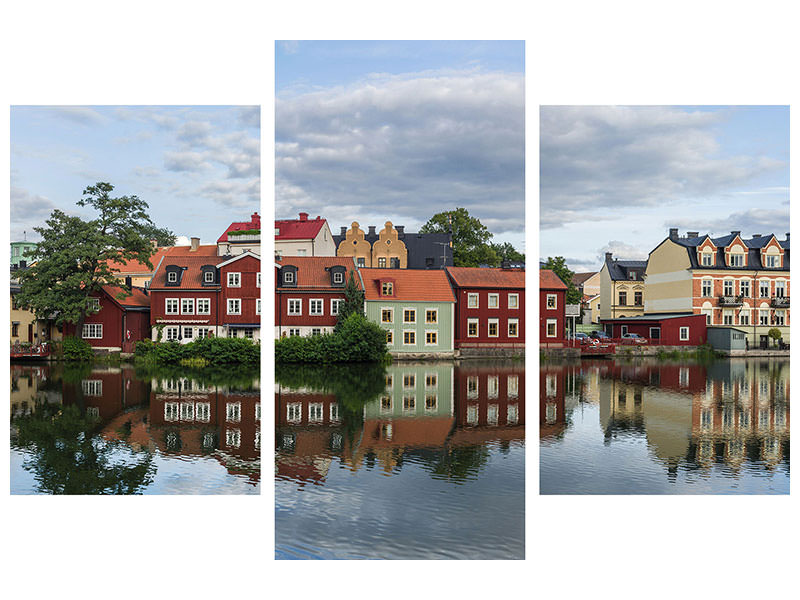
198, 167
399, 131
616, 178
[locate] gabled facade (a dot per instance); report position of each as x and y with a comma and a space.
241, 237
240, 278
622, 288
731, 280
490, 307
120, 321
303, 237
309, 290
415, 307
393, 248
552, 307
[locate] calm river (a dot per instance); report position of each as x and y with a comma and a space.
83, 429
410, 461
647, 427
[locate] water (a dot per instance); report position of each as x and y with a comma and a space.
83, 429
410, 461
646, 427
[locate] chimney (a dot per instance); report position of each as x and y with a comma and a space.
254, 218
195, 244
692, 234
736, 232
756, 235
372, 230
608, 256
400, 230
128, 282
318, 217
787, 236
304, 216
343, 231
673, 233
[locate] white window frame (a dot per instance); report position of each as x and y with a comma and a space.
338, 277
436, 336
190, 331
203, 302
512, 386
728, 283
288, 277
548, 323
516, 301
168, 302
780, 288
172, 277
706, 259
496, 323
772, 258
233, 412
236, 278
187, 301
314, 302
258, 279
387, 288
473, 296
316, 412
92, 331
294, 412
92, 387
335, 304
294, 302
171, 333
489, 299
744, 316
391, 313
435, 311
492, 386
515, 322
258, 306
683, 334
554, 299
208, 277
707, 284
742, 284
736, 259
477, 327
236, 312
413, 332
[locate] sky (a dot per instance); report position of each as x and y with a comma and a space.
617, 178
400, 131
198, 167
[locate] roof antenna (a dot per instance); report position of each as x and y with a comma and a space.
24, 236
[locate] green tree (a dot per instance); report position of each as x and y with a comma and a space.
506, 251
353, 301
559, 266
162, 235
775, 334
71, 261
470, 237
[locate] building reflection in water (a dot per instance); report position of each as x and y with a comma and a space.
181, 417
419, 412
692, 415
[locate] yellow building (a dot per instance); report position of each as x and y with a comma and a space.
387, 251
621, 288
25, 327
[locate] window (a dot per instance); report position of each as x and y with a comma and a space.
409, 380
763, 288
171, 333
187, 333
387, 315
737, 260
316, 331
763, 317
203, 306
409, 338
295, 306
512, 414
258, 279
707, 287
727, 317
684, 334
172, 277
744, 317
171, 306
492, 412
637, 298
315, 411
744, 288
361, 262
202, 411
170, 411
301, 252
234, 280
551, 301
780, 289
551, 328
431, 380
92, 387
389, 337
93, 304
187, 306
494, 301
338, 277
334, 412
92, 331
315, 307
492, 386
187, 411
202, 332
208, 277
623, 299
512, 383
472, 386
472, 300
727, 287
708, 259
472, 414
335, 304
431, 402
233, 438
409, 404
772, 261
386, 404
249, 333
288, 277
294, 412
432, 315
387, 288
472, 327
382, 262
294, 332
234, 306
623, 329
431, 338
410, 315
15, 329
513, 328
258, 306
513, 301
494, 325
233, 412
780, 318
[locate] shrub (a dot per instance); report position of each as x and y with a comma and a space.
214, 351
75, 349
355, 340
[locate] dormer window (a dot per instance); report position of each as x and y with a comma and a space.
707, 259
288, 277
737, 260
632, 275
772, 261
387, 288
172, 277
209, 277
338, 278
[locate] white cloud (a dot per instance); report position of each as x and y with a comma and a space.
82, 115
754, 220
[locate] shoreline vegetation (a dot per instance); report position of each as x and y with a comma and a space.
354, 340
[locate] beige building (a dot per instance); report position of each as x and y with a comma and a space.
621, 288
733, 281
25, 327
388, 251
588, 285
303, 237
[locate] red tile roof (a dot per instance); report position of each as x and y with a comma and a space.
137, 298
311, 271
548, 280
205, 250
298, 229
253, 223
192, 275
134, 266
411, 285
487, 278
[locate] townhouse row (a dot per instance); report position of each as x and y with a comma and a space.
422, 311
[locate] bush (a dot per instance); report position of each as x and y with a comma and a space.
213, 350
76, 349
356, 340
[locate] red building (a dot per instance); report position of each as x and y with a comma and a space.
552, 307
491, 397
490, 307
120, 321
309, 291
196, 293
665, 330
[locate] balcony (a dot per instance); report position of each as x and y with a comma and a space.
780, 302
731, 300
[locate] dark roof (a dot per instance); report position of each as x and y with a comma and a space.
621, 270
753, 246
580, 278
422, 248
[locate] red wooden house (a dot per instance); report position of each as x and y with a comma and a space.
308, 293
665, 330
552, 307
490, 307
120, 321
240, 308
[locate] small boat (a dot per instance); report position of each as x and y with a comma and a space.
33, 352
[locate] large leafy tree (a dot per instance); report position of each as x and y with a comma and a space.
470, 237
72, 260
162, 235
506, 251
559, 266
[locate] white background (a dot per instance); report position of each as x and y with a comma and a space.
223, 53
